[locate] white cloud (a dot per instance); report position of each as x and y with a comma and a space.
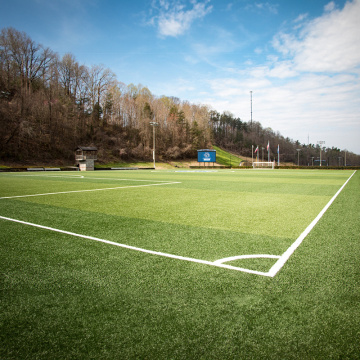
330, 6
267, 7
283, 70
261, 7
329, 43
309, 86
175, 19
300, 18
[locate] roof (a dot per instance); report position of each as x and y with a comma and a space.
87, 148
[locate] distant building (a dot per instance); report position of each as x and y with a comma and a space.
85, 157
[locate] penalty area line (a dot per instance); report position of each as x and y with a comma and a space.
152, 252
88, 190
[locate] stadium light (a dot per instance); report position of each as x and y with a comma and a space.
154, 124
298, 150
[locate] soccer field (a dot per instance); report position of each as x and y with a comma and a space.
176, 264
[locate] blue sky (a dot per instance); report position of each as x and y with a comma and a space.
300, 59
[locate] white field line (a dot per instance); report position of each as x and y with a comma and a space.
48, 175
89, 190
86, 177
285, 256
217, 263
240, 257
158, 253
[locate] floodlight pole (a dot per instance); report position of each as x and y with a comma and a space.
298, 150
320, 143
153, 124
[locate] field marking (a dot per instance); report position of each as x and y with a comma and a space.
48, 175
158, 253
79, 191
240, 257
86, 177
217, 263
286, 255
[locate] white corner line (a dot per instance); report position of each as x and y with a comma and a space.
241, 257
89, 190
286, 255
158, 253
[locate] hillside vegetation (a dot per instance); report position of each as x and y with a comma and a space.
49, 105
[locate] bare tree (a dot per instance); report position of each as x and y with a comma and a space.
30, 60
99, 79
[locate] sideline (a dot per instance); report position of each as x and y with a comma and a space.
285, 256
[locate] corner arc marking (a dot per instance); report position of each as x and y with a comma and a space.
240, 257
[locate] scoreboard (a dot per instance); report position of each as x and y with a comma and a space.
206, 155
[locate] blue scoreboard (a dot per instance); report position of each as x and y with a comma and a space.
206, 155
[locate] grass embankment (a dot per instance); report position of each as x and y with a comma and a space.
225, 158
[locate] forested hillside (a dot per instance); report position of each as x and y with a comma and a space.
50, 105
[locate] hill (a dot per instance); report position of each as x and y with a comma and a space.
52, 105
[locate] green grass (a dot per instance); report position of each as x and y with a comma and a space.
225, 158
64, 297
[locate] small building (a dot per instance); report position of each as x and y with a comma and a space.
85, 157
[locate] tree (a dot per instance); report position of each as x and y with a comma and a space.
98, 80
28, 60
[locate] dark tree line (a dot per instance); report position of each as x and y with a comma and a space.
50, 105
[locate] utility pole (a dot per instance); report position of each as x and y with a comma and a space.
153, 124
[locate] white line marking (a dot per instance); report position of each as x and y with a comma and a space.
51, 176
240, 257
79, 191
158, 253
87, 177
217, 263
285, 256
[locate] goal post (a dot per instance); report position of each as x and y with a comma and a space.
264, 165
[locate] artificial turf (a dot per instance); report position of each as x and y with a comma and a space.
64, 297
